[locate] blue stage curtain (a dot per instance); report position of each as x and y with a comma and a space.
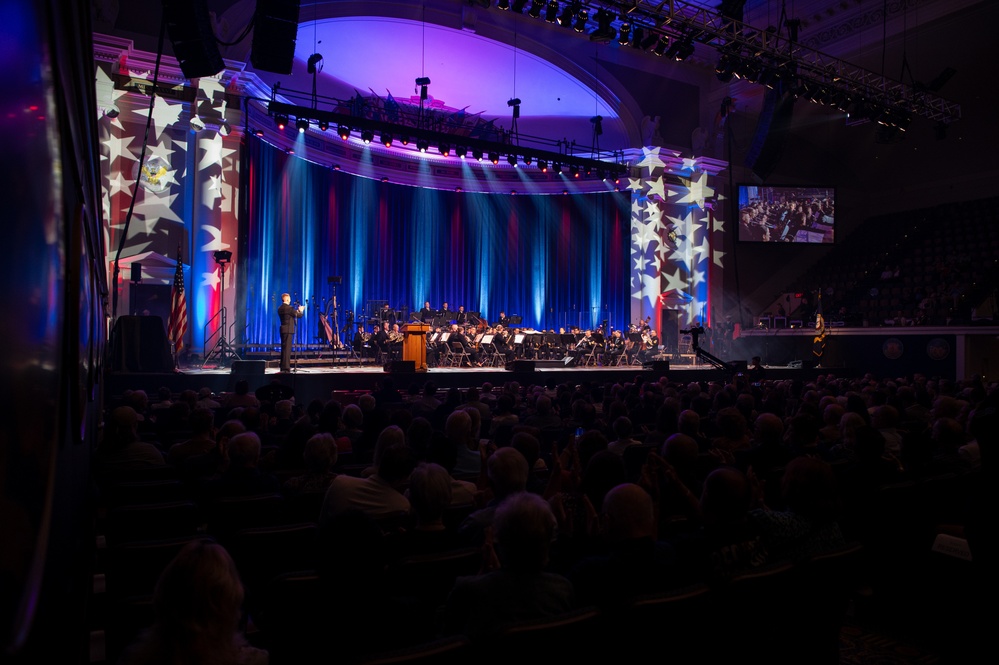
554, 260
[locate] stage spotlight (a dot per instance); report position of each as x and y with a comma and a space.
604, 32
422, 145
511, 159
503, 4
494, 157
477, 154
324, 125
367, 136
543, 165
574, 171
404, 139
725, 68
301, 124
518, 6
581, 17
444, 149
461, 151
257, 132
343, 131
556, 167
315, 63
387, 139
281, 121
647, 43
536, 7
661, 45
551, 11
637, 36
684, 50
527, 159
568, 11
624, 36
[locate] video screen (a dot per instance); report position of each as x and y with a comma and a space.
787, 214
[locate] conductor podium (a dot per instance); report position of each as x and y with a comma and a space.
414, 344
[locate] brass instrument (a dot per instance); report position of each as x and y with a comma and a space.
647, 340
395, 336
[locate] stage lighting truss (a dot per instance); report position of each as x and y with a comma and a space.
671, 30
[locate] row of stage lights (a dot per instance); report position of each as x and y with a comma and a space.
445, 149
576, 16
850, 102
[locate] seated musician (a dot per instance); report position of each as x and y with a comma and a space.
360, 341
502, 342
386, 315
380, 340
426, 314
584, 344
615, 345
395, 338
650, 344
458, 336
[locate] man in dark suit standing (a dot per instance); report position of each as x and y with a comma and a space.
289, 323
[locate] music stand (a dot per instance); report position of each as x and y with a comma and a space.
335, 342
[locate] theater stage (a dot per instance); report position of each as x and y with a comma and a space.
319, 378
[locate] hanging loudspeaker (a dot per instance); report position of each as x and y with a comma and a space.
275, 29
193, 39
136, 272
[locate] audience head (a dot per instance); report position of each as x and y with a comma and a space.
628, 513
429, 492
244, 450
507, 471
809, 489
523, 528
320, 452
725, 497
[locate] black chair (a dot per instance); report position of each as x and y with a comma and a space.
147, 521
683, 614
229, 514
262, 553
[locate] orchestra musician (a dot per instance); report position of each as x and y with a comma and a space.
615, 346
445, 313
461, 317
395, 338
503, 319
360, 341
650, 344
288, 315
458, 336
426, 314
386, 315
380, 340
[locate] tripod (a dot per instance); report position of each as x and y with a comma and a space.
222, 351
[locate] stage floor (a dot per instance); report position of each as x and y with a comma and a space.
320, 379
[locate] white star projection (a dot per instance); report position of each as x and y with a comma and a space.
211, 279
215, 241
671, 272
651, 160
215, 151
657, 188
156, 206
213, 190
697, 191
120, 183
118, 147
164, 114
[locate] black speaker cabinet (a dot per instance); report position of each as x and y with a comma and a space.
739, 365
193, 38
520, 366
248, 367
401, 367
657, 366
275, 31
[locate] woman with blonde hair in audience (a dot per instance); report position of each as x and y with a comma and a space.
197, 604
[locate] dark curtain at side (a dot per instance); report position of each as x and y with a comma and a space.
554, 260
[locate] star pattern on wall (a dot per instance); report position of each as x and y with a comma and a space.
672, 271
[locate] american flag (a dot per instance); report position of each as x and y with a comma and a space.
177, 327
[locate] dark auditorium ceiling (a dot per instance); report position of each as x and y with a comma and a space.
932, 35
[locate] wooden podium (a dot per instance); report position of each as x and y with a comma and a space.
414, 344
